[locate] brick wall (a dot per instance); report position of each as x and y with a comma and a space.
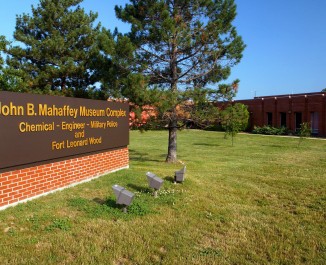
24, 184
306, 104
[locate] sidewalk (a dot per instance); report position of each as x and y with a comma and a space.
285, 136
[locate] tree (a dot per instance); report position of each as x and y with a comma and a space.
3, 43
57, 49
234, 118
180, 46
324, 90
9, 81
2, 48
112, 71
304, 132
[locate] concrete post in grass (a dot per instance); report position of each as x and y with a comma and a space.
180, 175
123, 196
154, 182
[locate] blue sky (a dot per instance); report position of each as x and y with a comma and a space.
286, 42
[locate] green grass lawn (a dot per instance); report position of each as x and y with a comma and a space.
262, 201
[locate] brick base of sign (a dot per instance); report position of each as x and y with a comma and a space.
25, 184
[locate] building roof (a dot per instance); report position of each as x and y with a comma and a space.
293, 95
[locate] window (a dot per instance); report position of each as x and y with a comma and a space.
298, 121
283, 119
314, 122
270, 118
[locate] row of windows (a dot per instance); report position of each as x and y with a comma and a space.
298, 120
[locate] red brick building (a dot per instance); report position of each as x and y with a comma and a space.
289, 111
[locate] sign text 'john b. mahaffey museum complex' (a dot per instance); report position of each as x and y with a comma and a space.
48, 143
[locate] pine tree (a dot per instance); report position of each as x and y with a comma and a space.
9, 78
3, 43
181, 46
113, 65
57, 49
2, 48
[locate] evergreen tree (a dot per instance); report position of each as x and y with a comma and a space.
9, 81
57, 49
113, 70
2, 48
181, 46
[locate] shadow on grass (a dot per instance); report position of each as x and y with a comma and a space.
108, 202
141, 156
112, 203
99, 201
206, 144
86, 204
169, 178
138, 188
279, 146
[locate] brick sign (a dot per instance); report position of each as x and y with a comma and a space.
36, 129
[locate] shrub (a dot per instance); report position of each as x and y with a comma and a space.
269, 130
305, 131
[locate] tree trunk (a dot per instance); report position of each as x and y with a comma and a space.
172, 146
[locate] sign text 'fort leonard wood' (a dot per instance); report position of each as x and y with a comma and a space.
38, 128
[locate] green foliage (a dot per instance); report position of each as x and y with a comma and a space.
56, 49
181, 48
269, 130
59, 224
234, 118
10, 79
304, 132
169, 53
113, 67
3, 43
